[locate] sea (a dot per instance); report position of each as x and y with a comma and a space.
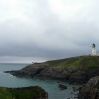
50, 86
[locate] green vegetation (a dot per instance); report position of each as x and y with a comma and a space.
22, 93
89, 61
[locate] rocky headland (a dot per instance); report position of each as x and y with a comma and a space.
76, 70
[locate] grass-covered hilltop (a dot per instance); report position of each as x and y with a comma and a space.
75, 69
23, 93
79, 61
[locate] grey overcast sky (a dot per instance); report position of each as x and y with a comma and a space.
39, 30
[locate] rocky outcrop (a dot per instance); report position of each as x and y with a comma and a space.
32, 92
90, 90
62, 87
44, 71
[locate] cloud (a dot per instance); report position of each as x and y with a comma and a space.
48, 29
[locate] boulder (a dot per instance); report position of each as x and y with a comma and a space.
62, 87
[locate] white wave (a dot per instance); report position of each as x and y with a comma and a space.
12, 75
2, 73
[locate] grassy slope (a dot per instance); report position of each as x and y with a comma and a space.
90, 61
21, 93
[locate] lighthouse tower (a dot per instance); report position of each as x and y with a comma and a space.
93, 49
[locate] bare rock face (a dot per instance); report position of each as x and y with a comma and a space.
78, 77
90, 90
53, 73
72, 69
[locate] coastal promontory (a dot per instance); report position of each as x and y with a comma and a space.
75, 69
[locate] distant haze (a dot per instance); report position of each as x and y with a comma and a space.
40, 30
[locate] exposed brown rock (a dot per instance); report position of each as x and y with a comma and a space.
90, 90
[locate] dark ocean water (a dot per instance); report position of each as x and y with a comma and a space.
51, 87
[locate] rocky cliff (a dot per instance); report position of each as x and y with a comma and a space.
44, 71
90, 90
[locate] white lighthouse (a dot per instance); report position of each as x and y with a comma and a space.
93, 49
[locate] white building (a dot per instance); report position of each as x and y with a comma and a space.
93, 49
